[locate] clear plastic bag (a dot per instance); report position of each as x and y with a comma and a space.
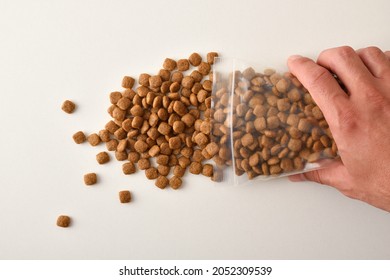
266, 124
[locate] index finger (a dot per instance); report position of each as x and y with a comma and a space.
322, 86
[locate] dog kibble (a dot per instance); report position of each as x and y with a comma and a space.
124, 196
128, 168
162, 182
195, 59
175, 182
90, 179
94, 139
151, 173
102, 158
63, 221
128, 82
169, 64
79, 137
195, 167
68, 106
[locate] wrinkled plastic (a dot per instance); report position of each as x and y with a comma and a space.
266, 124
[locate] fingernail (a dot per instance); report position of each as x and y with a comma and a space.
297, 178
294, 57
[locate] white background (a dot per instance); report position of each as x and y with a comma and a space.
80, 50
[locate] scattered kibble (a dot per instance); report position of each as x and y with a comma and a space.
124, 196
90, 179
79, 137
102, 158
68, 106
63, 221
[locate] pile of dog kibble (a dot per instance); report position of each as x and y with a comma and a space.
262, 124
162, 126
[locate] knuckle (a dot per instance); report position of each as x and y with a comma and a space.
319, 76
373, 51
344, 52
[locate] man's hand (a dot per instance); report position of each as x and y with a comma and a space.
359, 119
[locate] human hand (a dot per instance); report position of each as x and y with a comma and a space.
359, 119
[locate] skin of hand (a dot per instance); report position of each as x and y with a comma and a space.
358, 117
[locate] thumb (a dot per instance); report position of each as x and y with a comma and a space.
335, 175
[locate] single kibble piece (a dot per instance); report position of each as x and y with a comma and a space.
204, 68
208, 170
179, 171
169, 64
90, 179
211, 56
63, 221
195, 59
79, 137
124, 196
102, 157
104, 135
155, 81
128, 82
128, 168
68, 106
196, 167
162, 182
175, 182
94, 139
183, 65
144, 163
151, 173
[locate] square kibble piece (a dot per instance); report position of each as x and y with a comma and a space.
63, 221
90, 179
79, 137
124, 196
68, 106
103, 157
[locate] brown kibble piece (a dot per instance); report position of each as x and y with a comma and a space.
79, 137
163, 170
201, 139
143, 79
204, 68
90, 179
155, 81
68, 106
134, 157
196, 167
217, 175
211, 56
112, 145
124, 196
151, 173
140, 146
208, 170
143, 163
195, 59
128, 82
179, 171
162, 182
187, 82
212, 149
94, 139
128, 168
63, 221
169, 64
174, 143
104, 135
175, 182
102, 158
183, 65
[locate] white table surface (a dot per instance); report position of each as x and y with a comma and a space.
80, 50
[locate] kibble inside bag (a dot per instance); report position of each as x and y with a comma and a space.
266, 123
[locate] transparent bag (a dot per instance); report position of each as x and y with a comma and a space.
266, 124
